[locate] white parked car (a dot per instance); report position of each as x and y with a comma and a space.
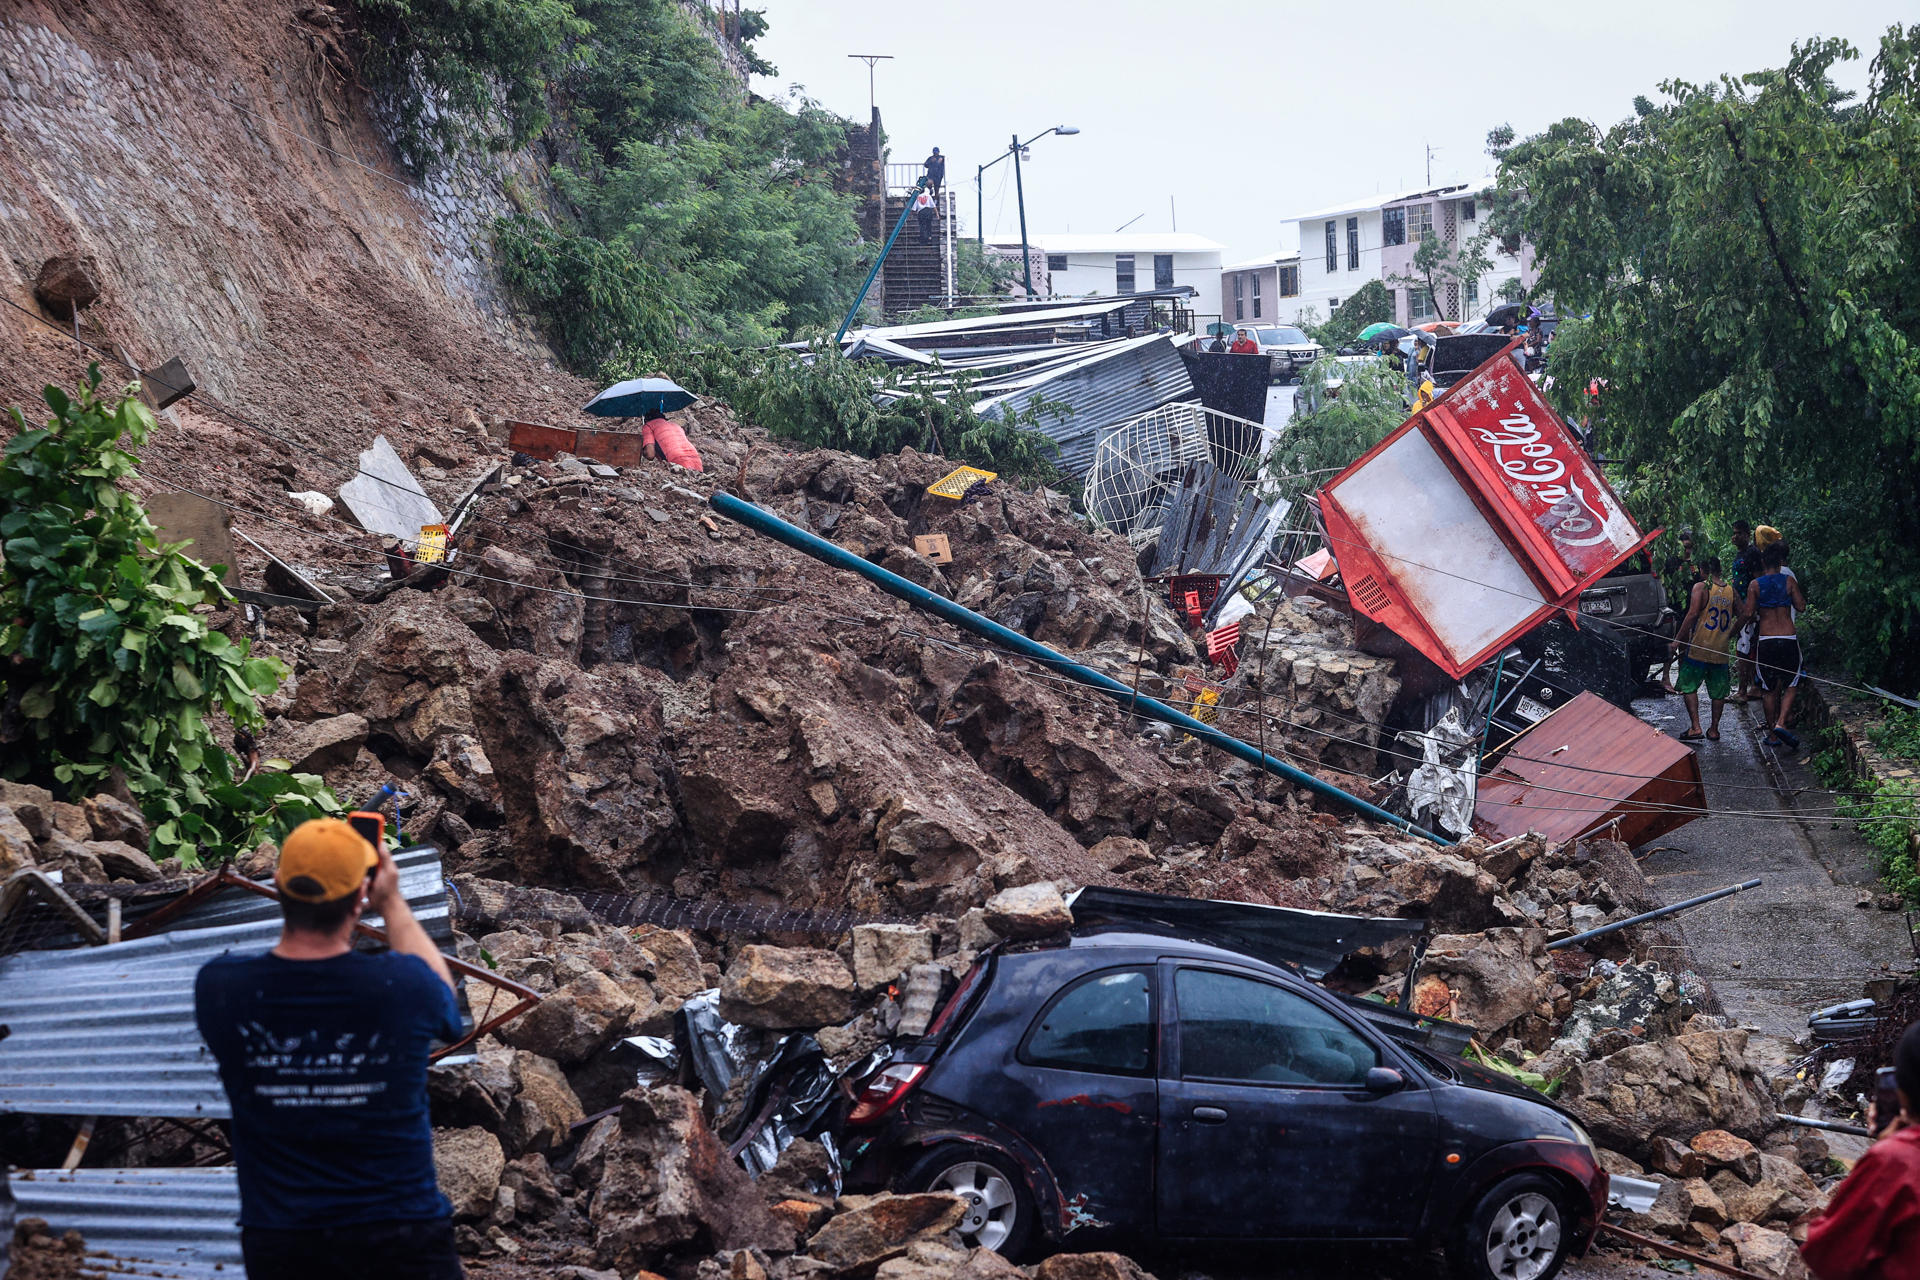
1287, 349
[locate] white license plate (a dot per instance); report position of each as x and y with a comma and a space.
1599, 604
1530, 709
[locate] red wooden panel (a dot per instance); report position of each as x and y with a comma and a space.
537, 440
1588, 766
615, 448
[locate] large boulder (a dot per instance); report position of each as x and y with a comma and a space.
539, 609
1029, 911
16, 843
666, 1190
469, 1163
880, 1227
781, 988
576, 757
544, 1107
1699, 1080
1493, 979
575, 1022
882, 952
121, 861
317, 745
114, 819
1765, 1252
1090, 1266
409, 648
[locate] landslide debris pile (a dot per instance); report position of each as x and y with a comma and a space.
616, 690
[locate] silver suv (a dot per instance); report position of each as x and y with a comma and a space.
1288, 350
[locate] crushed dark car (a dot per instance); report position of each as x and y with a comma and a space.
1160, 1075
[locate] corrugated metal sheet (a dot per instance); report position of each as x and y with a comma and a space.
1586, 767
109, 1030
176, 1224
421, 880
1103, 391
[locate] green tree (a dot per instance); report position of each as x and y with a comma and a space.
1749, 254
108, 661
1371, 303
1337, 424
1438, 263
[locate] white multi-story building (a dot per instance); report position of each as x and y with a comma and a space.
1126, 262
1343, 247
1265, 289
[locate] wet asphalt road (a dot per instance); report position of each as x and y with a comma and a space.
1799, 941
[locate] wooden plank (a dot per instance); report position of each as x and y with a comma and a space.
537, 440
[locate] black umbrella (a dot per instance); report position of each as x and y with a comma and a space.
640, 398
1500, 317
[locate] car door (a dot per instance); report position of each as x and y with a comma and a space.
1269, 1130
1084, 1095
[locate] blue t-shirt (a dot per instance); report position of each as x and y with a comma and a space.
325, 1065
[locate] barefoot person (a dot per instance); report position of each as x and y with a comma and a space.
323, 1053
1773, 599
1705, 636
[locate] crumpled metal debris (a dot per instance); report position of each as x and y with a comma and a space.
1441, 789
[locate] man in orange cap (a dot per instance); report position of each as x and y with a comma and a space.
323, 1053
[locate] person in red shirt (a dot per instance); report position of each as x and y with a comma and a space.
1243, 344
1871, 1228
661, 438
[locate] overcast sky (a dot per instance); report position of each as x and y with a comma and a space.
1245, 114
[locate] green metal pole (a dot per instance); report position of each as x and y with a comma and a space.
762, 521
854, 310
1020, 193
1486, 734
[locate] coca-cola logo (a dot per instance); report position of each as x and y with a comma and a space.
1525, 455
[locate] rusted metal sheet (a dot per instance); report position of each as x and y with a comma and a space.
1474, 521
538, 440
1590, 767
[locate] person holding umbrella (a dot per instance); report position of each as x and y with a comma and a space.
652, 399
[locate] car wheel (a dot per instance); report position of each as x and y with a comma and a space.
1519, 1230
1000, 1213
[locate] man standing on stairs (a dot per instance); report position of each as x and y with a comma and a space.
923, 212
936, 172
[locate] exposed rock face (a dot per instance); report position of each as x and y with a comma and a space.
783, 987
667, 1189
581, 780
1695, 1081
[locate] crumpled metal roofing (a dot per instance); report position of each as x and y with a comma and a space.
176, 1224
1126, 379
109, 1031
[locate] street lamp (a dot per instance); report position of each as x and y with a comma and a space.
980, 198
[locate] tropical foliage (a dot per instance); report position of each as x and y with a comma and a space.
1371, 303
1740, 265
108, 664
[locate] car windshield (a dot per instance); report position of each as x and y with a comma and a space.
1283, 337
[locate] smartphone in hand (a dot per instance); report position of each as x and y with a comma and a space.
371, 826
1886, 1100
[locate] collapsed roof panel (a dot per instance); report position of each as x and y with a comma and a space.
170, 1224
109, 1030
1102, 391
1590, 767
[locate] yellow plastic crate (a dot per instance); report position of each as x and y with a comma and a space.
957, 481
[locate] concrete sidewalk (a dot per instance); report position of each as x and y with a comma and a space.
1801, 940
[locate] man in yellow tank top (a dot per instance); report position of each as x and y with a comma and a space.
1703, 640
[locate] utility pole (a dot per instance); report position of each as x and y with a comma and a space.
1020, 195
870, 59
1430, 150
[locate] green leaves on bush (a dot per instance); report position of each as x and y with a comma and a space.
108, 659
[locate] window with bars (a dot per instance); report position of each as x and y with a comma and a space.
1473, 296
1290, 282
1393, 226
1256, 296
1239, 298
1419, 221
1333, 246
1123, 273
1468, 210
1163, 271
1056, 262
1353, 244
1420, 306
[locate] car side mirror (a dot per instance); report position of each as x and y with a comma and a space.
1384, 1080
